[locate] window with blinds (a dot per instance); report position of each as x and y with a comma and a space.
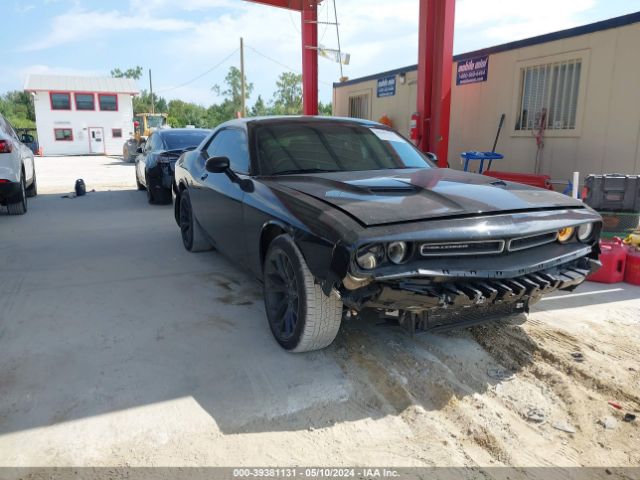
359, 106
549, 96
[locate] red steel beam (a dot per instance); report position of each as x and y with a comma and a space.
310, 57
309, 14
288, 4
435, 57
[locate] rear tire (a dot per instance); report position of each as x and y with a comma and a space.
32, 191
301, 317
17, 205
193, 237
150, 196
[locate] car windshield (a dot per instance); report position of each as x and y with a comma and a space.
285, 148
179, 140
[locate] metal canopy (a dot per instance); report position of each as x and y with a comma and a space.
435, 56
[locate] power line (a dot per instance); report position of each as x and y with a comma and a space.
202, 74
295, 70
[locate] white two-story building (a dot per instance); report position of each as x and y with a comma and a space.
82, 115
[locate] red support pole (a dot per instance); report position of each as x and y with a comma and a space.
310, 57
435, 57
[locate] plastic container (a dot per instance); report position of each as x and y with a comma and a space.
632, 269
612, 192
614, 259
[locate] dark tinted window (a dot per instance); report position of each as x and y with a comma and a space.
333, 146
231, 143
179, 140
85, 101
61, 101
108, 102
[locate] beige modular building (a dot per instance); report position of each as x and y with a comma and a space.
582, 84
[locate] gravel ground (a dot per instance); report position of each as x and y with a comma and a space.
117, 348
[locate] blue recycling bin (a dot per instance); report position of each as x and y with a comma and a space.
467, 157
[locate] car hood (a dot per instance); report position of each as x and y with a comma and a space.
392, 196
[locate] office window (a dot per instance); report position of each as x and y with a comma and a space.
116, 132
85, 101
549, 92
60, 101
63, 134
108, 102
359, 106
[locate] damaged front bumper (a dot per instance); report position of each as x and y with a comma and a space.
431, 299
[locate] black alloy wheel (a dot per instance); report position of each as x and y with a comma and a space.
282, 291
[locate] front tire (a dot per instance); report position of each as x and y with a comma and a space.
17, 205
193, 238
301, 317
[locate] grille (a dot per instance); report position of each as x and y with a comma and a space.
531, 241
462, 248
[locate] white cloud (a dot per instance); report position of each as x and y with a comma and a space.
22, 8
77, 25
509, 20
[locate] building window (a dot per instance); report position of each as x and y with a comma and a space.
60, 101
359, 106
63, 134
85, 101
108, 102
116, 132
549, 96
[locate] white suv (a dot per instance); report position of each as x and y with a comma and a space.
17, 170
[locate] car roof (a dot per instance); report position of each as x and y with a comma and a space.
243, 122
181, 130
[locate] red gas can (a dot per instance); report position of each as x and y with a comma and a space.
613, 257
632, 270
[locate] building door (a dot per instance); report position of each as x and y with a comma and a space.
96, 140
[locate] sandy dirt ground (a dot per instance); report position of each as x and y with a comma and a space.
118, 348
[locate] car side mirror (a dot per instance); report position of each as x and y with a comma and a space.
432, 156
217, 165
139, 150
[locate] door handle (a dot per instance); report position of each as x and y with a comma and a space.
204, 177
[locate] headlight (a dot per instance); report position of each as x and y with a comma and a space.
585, 232
397, 252
565, 234
370, 257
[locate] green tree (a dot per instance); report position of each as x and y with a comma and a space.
325, 109
260, 108
18, 108
142, 103
182, 114
287, 99
233, 92
135, 73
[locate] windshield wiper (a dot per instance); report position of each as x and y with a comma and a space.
304, 170
177, 151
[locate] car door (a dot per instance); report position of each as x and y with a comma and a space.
218, 200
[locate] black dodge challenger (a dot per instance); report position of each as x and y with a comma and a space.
340, 215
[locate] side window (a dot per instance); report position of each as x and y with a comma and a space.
232, 143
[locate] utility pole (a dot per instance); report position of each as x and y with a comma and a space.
153, 106
243, 110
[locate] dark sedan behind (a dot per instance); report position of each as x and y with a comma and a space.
155, 163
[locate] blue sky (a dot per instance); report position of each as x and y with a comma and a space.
180, 40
